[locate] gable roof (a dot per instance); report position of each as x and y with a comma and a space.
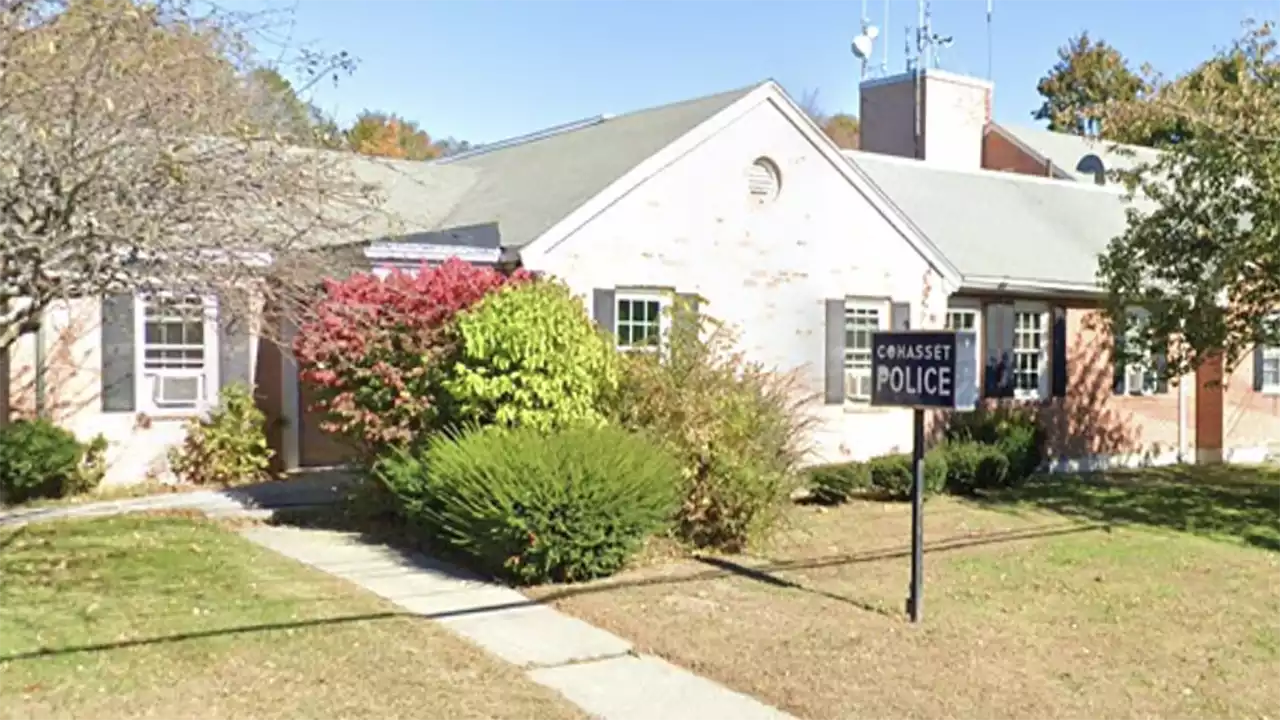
528, 186
1004, 228
1075, 157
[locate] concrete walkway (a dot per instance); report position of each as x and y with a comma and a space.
304, 490
597, 671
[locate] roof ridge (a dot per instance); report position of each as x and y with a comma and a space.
855, 155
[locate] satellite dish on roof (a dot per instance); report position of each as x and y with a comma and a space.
862, 47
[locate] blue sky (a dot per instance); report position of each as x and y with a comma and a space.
483, 70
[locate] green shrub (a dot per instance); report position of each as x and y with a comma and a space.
229, 447
738, 430
836, 483
41, 460
565, 506
528, 354
889, 476
973, 466
1016, 431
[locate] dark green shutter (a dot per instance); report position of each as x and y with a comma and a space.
1118, 359
900, 316
118, 354
834, 353
998, 365
235, 359
1058, 361
1257, 367
603, 307
1162, 369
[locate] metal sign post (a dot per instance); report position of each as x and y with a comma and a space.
922, 369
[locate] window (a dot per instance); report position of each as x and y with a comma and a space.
860, 320
1030, 360
178, 353
1270, 369
640, 321
966, 320
1139, 375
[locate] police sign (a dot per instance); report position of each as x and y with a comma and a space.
924, 369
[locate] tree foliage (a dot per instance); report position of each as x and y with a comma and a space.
843, 130
279, 107
391, 136
1202, 249
136, 158
373, 346
1089, 74
530, 356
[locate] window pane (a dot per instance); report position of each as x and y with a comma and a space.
624, 310
153, 333
652, 311
624, 334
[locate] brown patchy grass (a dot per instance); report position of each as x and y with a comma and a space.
172, 617
1028, 613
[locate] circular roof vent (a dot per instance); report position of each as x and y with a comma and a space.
763, 180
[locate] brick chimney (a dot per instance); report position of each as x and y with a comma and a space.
954, 111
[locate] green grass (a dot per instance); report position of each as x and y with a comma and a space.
145, 616
1154, 595
1236, 503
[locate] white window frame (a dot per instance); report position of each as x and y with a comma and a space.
1041, 391
664, 317
1134, 317
973, 308
853, 367
1270, 353
146, 379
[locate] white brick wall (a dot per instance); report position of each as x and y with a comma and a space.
765, 269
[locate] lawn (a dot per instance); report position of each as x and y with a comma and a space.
145, 616
1153, 594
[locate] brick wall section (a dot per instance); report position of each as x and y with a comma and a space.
1092, 420
1000, 153
1251, 419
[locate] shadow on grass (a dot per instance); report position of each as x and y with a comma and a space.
1234, 502
385, 531
199, 634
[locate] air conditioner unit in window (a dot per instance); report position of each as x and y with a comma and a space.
177, 390
1135, 376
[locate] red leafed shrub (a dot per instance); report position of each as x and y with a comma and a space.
370, 347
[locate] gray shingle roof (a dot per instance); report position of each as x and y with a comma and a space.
1068, 151
529, 186
1003, 225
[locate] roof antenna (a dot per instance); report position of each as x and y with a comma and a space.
863, 44
990, 42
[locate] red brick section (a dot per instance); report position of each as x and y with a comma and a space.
1251, 419
1000, 153
1209, 406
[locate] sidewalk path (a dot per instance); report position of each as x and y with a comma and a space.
306, 490
597, 671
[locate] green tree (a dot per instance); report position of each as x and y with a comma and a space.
389, 135
137, 159
1088, 75
843, 130
1202, 252
276, 105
